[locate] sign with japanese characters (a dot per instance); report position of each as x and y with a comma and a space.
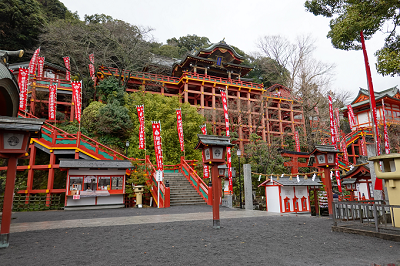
52, 101
157, 144
180, 128
23, 88
67, 66
142, 140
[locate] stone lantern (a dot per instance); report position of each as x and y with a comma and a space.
391, 175
15, 134
323, 157
214, 150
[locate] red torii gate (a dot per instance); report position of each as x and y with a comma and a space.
294, 163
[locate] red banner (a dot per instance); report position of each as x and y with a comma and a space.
378, 182
91, 71
316, 110
67, 66
352, 119
23, 87
362, 147
142, 140
337, 120
157, 144
344, 150
40, 66
76, 94
332, 122
204, 129
91, 58
206, 170
385, 131
52, 101
228, 149
180, 128
33, 62
297, 141
337, 174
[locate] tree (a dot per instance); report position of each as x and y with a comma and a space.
354, 16
307, 77
21, 22
266, 71
189, 42
162, 108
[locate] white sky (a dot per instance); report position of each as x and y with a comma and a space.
241, 23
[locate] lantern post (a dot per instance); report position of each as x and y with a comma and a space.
214, 152
324, 156
15, 134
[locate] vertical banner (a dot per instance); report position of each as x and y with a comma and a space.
67, 66
344, 150
352, 119
91, 58
362, 147
91, 71
332, 121
76, 94
206, 170
228, 149
23, 87
40, 66
337, 173
33, 62
385, 131
378, 182
337, 125
157, 144
52, 102
297, 141
316, 110
142, 140
180, 128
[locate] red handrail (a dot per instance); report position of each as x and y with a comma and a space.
164, 197
191, 175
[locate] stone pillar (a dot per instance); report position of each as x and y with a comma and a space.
371, 151
248, 188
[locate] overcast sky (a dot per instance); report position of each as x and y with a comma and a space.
241, 23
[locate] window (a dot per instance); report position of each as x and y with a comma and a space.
117, 182
75, 183
219, 61
104, 183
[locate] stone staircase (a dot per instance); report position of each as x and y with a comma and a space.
181, 191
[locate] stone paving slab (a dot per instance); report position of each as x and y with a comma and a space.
129, 220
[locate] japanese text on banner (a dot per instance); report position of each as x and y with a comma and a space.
180, 128
52, 101
142, 140
33, 62
67, 66
23, 87
157, 144
76, 93
228, 149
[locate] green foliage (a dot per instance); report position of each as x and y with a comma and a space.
138, 176
168, 50
388, 58
161, 108
354, 16
189, 42
21, 22
54, 9
110, 90
90, 116
114, 119
267, 71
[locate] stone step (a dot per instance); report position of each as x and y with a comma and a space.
181, 190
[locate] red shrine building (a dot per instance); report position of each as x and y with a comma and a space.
271, 113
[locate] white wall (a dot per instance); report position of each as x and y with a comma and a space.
272, 197
287, 192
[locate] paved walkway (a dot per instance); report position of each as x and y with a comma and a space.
185, 236
130, 220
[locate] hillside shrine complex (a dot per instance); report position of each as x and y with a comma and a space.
213, 80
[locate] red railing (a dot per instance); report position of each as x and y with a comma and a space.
45, 82
198, 183
223, 80
53, 137
151, 181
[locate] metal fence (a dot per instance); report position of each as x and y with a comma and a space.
377, 214
35, 202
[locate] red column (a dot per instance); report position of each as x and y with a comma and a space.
50, 177
8, 202
29, 183
216, 192
167, 197
328, 187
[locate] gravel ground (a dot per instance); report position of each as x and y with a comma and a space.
272, 240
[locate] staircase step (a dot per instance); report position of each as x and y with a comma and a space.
181, 190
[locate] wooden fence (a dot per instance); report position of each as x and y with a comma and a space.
35, 202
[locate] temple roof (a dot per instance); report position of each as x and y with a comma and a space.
222, 44
363, 97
